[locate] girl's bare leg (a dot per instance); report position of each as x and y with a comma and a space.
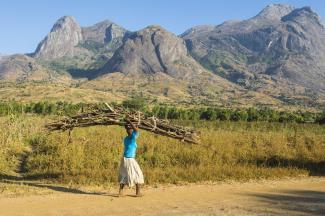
138, 193
120, 193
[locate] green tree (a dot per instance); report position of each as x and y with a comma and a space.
173, 113
224, 115
193, 114
321, 118
135, 103
252, 114
239, 115
163, 112
209, 114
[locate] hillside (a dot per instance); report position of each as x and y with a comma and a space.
279, 52
275, 58
22, 68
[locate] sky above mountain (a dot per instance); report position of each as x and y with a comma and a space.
25, 23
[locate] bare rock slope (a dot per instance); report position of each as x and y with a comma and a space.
61, 41
152, 50
281, 51
277, 55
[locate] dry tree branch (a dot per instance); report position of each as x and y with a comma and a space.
116, 116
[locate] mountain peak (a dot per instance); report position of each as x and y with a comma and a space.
153, 28
103, 32
63, 22
274, 11
64, 35
104, 22
152, 50
303, 13
196, 29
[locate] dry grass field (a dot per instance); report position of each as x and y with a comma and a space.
228, 151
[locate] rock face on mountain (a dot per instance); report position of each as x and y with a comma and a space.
152, 50
22, 68
96, 32
274, 12
103, 32
61, 41
68, 39
278, 51
277, 56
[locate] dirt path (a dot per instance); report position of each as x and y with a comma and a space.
286, 197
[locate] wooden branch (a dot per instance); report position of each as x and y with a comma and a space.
116, 116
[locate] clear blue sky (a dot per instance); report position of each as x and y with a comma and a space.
25, 22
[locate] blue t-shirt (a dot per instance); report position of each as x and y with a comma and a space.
130, 145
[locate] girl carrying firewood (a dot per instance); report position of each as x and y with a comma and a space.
130, 173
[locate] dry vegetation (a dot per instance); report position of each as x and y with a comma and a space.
116, 115
237, 151
117, 87
33, 91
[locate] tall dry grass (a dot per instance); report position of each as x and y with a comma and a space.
228, 150
14, 135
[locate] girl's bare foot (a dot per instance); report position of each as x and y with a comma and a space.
120, 192
139, 195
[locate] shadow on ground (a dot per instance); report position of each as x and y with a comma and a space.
314, 168
20, 181
298, 202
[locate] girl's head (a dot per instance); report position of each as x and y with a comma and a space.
128, 129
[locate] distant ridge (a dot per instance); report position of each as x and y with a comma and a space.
279, 52
275, 58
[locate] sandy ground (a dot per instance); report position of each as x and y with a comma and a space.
304, 196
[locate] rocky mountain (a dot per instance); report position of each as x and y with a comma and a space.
274, 58
273, 12
279, 52
153, 50
68, 39
103, 32
155, 63
61, 41
20, 68
79, 51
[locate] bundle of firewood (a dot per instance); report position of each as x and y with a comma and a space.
117, 116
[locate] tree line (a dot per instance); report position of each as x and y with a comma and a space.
169, 112
226, 114
237, 114
42, 108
